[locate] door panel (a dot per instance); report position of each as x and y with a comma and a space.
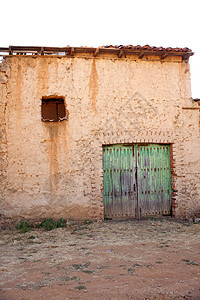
154, 179
118, 181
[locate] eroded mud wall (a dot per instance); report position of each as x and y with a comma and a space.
55, 168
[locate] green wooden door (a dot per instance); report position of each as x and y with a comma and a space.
118, 181
136, 180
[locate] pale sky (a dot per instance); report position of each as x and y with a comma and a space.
172, 23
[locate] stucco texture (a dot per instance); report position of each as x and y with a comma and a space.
54, 169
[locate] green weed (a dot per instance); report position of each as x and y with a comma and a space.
136, 265
122, 266
188, 262
88, 271
80, 287
81, 266
23, 226
49, 224
74, 278
130, 270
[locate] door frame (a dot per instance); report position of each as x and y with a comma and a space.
135, 192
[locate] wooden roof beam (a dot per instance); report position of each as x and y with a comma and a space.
141, 54
10, 50
165, 54
25, 48
120, 53
96, 52
42, 51
3, 49
72, 51
185, 56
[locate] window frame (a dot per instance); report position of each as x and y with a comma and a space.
53, 109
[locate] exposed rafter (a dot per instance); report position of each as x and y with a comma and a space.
165, 54
139, 51
72, 51
96, 52
120, 53
142, 53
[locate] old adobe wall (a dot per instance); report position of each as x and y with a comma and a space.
55, 169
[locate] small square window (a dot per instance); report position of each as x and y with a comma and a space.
53, 110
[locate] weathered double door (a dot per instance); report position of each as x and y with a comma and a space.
136, 180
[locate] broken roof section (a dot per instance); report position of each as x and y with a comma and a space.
119, 50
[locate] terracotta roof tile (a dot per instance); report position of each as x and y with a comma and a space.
150, 48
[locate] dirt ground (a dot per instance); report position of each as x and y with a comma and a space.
156, 258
